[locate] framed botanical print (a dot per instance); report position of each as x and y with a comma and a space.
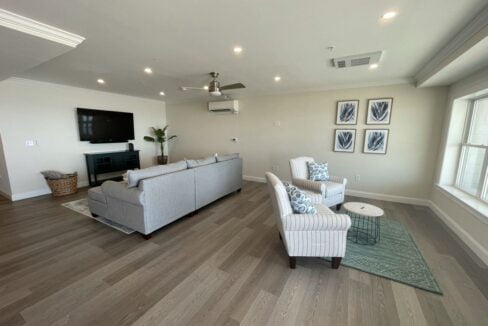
345, 140
375, 141
347, 112
379, 111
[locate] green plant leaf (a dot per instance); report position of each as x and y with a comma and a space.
148, 138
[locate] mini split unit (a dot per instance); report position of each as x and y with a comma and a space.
357, 60
224, 106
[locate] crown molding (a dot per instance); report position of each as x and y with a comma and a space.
26, 25
473, 33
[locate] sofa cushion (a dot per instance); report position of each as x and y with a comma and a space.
134, 176
318, 171
97, 195
204, 161
221, 158
299, 201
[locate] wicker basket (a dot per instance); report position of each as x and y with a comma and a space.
63, 187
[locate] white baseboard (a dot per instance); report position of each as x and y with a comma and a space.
39, 192
30, 194
385, 197
474, 245
255, 179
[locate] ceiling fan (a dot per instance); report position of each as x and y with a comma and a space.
214, 87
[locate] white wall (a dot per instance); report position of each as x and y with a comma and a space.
31, 110
472, 229
4, 181
307, 128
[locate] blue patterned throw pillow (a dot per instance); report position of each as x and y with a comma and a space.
300, 202
318, 171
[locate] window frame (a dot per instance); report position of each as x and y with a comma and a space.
482, 191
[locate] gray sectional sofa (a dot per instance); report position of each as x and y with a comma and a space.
154, 197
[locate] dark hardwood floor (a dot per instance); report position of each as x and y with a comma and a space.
223, 266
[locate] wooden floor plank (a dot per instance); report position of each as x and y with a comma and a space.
222, 266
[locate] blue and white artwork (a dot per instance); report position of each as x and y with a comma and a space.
347, 112
375, 141
345, 140
379, 111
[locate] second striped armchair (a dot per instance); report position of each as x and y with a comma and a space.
304, 235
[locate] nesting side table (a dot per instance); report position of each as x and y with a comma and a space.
365, 218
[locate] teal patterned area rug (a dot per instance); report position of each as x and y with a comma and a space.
395, 257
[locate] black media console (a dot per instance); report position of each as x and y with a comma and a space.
110, 162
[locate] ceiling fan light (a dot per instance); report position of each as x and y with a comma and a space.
215, 93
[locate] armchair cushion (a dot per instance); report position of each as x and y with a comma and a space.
315, 186
315, 197
299, 201
318, 171
333, 188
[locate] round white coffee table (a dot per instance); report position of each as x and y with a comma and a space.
365, 218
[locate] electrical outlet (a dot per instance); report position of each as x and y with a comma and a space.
357, 178
30, 143
275, 168
277, 123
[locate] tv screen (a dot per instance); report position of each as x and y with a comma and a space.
98, 126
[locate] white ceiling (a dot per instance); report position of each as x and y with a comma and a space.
16, 51
182, 40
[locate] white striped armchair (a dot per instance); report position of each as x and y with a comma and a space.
320, 235
333, 190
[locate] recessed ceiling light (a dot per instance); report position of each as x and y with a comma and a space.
161, 93
100, 81
237, 49
389, 15
277, 78
148, 70
205, 87
373, 66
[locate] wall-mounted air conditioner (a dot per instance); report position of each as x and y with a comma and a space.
224, 106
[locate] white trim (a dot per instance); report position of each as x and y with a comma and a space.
30, 194
26, 25
255, 179
474, 245
471, 34
385, 197
39, 192
464, 204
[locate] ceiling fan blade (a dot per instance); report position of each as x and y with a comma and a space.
232, 86
186, 88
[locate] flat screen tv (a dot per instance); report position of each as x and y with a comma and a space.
98, 126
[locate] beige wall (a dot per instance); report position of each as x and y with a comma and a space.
306, 127
470, 227
32, 110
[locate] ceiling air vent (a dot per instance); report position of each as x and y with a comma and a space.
357, 60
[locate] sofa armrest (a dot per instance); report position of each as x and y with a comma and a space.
338, 179
317, 222
120, 191
315, 186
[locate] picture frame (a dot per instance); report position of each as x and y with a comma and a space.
344, 140
379, 111
347, 112
376, 141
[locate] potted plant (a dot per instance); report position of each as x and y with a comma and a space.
160, 137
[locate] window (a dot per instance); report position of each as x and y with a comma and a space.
472, 175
